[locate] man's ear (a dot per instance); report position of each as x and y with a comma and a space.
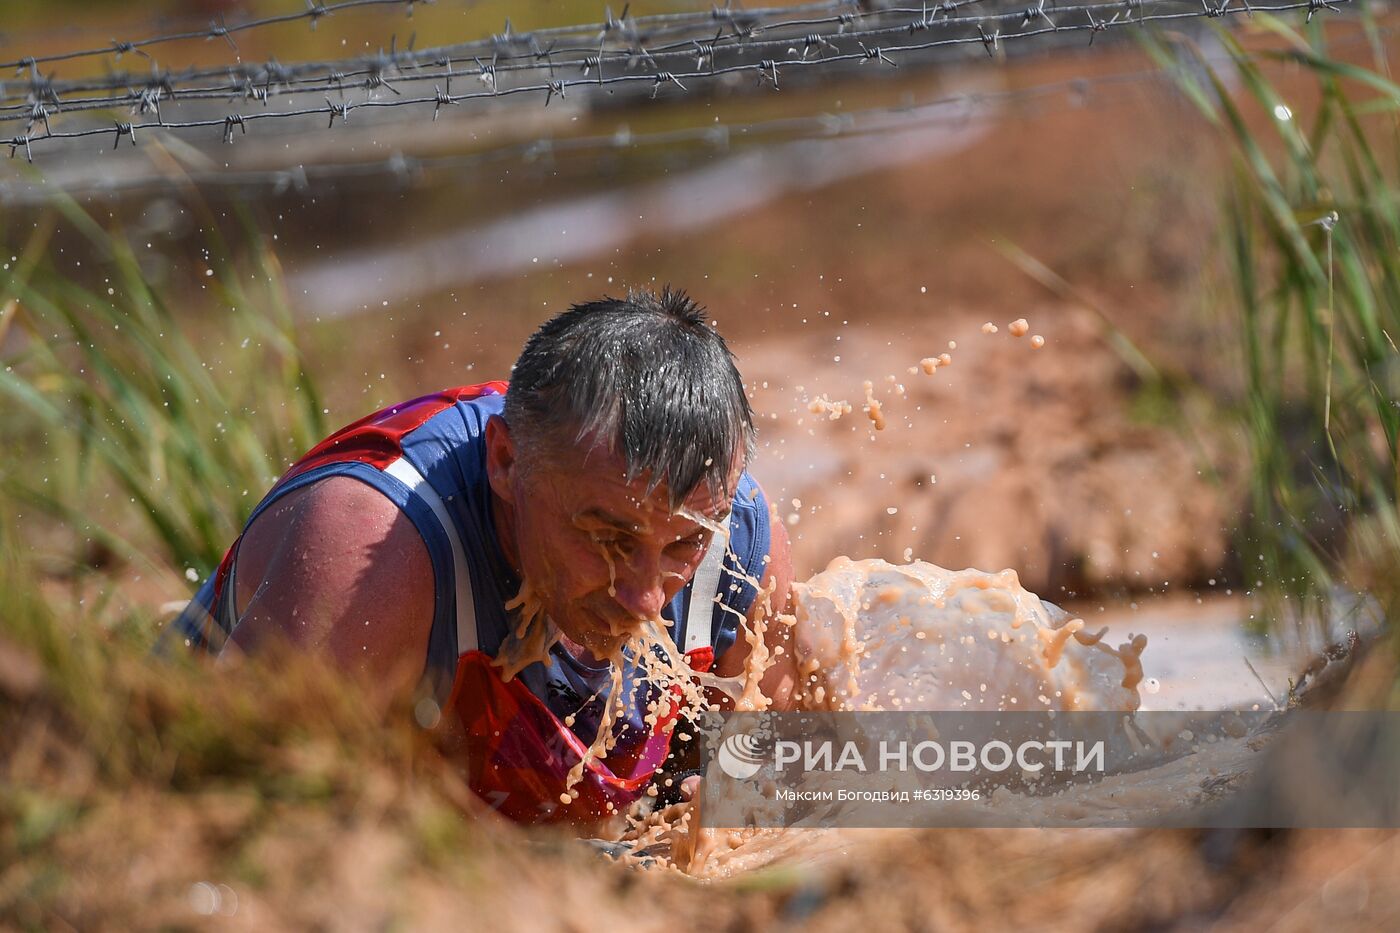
501, 459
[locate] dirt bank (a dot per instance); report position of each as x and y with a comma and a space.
137, 793
1009, 457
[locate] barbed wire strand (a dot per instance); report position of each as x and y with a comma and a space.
315, 11
766, 71
499, 48
723, 136
150, 96
215, 30
286, 79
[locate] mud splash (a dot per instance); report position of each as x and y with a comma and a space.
878, 636
871, 635
648, 646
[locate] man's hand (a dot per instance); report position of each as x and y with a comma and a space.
690, 787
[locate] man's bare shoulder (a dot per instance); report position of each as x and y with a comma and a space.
335, 512
336, 565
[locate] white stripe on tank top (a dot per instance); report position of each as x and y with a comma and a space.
406, 473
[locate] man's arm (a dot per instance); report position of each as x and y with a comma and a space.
337, 568
780, 681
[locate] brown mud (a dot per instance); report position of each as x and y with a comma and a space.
1011, 457
344, 838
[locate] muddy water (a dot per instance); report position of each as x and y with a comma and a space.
871, 635
877, 636
597, 224
1203, 655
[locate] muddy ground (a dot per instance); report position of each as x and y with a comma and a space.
339, 831
1062, 462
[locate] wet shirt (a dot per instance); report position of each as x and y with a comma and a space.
428, 455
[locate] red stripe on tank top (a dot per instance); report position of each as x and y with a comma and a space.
377, 439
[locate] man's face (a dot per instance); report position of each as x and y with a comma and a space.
598, 552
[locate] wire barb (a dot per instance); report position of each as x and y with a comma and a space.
593, 63
22, 141
816, 41
217, 30
665, 77
875, 54
338, 110
314, 11
620, 24
38, 114
768, 70
41, 86
123, 48
1032, 13
439, 99
705, 51
487, 74
923, 23
377, 80
230, 121
1317, 6
992, 42
149, 101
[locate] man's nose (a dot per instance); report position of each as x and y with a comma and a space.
640, 588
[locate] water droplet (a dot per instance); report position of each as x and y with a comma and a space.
427, 713
203, 898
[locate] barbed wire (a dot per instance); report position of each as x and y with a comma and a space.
217, 29
766, 70
275, 79
261, 82
727, 15
721, 137
510, 50
717, 136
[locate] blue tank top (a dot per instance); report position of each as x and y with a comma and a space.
434, 469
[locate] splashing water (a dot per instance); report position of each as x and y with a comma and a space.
871, 635
878, 636
531, 638
678, 688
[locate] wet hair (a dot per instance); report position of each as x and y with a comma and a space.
644, 375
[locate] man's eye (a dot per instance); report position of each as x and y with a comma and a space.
618, 543
689, 545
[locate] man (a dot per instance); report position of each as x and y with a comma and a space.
456, 536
